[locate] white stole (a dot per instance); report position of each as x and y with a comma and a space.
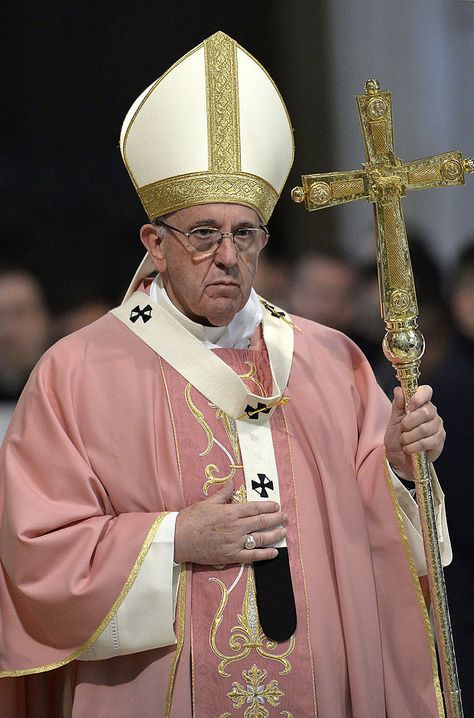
163, 333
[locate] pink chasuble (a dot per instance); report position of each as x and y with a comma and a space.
128, 446
236, 669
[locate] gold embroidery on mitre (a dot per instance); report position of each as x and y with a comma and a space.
223, 126
173, 193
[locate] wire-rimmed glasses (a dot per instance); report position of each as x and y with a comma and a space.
206, 240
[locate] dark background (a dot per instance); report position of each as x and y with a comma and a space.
69, 211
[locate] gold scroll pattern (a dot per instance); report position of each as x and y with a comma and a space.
214, 475
246, 635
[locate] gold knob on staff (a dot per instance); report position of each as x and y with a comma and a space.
372, 87
298, 194
468, 165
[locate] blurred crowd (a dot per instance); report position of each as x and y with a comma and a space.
342, 293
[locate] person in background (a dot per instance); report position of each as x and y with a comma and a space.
461, 292
25, 329
271, 279
85, 309
323, 288
25, 333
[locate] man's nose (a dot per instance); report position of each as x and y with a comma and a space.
226, 252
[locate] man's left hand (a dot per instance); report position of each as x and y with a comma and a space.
419, 428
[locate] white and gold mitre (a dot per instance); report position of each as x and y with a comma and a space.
213, 128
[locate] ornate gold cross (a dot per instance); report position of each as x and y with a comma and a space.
383, 180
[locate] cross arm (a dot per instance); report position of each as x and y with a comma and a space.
444, 170
332, 188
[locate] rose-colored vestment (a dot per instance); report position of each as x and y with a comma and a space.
105, 438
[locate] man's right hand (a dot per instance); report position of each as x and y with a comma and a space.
213, 531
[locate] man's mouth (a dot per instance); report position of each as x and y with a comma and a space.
223, 283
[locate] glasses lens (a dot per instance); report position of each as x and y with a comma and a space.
202, 239
245, 238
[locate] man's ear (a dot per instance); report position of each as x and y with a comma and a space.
152, 241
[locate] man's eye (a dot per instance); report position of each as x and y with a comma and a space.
203, 232
243, 233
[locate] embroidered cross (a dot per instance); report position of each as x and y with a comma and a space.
262, 485
278, 314
144, 314
253, 413
273, 310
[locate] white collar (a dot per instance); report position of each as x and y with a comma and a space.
235, 335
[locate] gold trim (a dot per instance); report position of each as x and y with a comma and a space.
181, 625
419, 593
303, 574
173, 425
173, 193
253, 693
229, 426
222, 82
252, 376
116, 605
193, 672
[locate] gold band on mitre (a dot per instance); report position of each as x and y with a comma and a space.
168, 195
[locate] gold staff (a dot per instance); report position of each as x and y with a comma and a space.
383, 180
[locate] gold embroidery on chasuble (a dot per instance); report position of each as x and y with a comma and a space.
237, 670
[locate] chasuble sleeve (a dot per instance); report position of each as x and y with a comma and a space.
69, 552
145, 618
411, 521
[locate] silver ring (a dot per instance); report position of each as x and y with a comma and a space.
250, 542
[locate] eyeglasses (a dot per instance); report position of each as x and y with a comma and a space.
202, 240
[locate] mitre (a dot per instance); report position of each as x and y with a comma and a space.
212, 128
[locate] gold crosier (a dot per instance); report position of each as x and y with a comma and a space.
383, 180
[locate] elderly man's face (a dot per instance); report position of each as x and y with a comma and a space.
207, 289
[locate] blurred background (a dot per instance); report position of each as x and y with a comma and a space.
70, 217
